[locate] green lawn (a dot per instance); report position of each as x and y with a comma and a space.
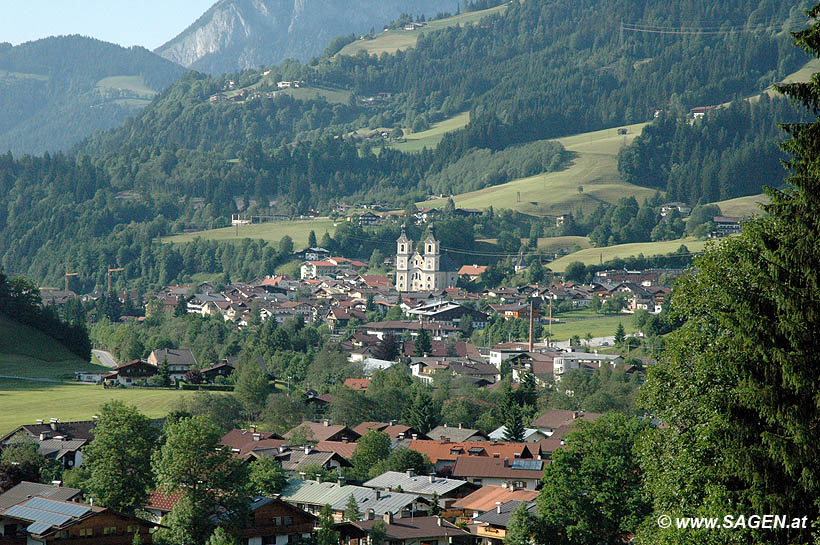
135, 84
743, 206
394, 40
594, 168
26, 352
593, 256
431, 137
598, 326
25, 402
273, 231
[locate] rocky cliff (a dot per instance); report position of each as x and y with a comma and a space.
237, 34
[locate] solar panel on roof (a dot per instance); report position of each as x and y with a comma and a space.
71, 509
37, 528
36, 515
527, 464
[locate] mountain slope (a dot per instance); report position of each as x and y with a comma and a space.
65, 88
239, 34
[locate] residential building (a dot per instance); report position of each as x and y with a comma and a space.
25, 490
402, 531
456, 434
443, 454
531, 435
491, 526
324, 431
426, 486
488, 497
276, 522
554, 419
582, 360
130, 373
180, 361
312, 496
516, 472
472, 272
45, 521
315, 269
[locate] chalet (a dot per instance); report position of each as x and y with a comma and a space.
132, 372
25, 490
403, 531
457, 434
57, 440
491, 526
294, 461
45, 520
179, 360
531, 435
682, 208
312, 496
488, 497
554, 419
472, 272
514, 311
272, 520
221, 369
514, 473
426, 486
443, 454
725, 226
699, 112
338, 319
367, 218
324, 431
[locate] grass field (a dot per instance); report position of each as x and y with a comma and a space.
333, 96
743, 206
593, 256
551, 244
25, 402
599, 326
394, 40
135, 84
4, 74
273, 231
594, 168
26, 352
431, 137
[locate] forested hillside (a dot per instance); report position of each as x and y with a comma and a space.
539, 70
64, 88
732, 152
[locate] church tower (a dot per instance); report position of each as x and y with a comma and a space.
404, 249
432, 255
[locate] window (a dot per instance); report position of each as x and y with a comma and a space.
86, 532
109, 530
287, 521
277, 521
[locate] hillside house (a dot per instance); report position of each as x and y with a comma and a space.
180, 361
128, 374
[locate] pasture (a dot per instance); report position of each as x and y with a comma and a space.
591, 178
273, 231
431, 137
593, 256
743, 206
391, 41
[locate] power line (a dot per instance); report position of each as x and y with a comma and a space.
704, 30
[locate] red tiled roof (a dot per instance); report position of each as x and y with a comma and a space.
472, 270
358, 384
485, 498
482, 466
161, 501
445, 450
345, 450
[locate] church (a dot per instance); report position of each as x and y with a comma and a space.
423, 272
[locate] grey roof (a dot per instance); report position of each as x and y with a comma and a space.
454, 434
337, 496
26, 489
293, 460
502, 518
498, 433
58, 448
418, 484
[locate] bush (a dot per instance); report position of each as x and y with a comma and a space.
210, 387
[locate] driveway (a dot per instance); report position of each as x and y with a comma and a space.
106, 358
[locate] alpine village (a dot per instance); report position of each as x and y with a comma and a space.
410, 272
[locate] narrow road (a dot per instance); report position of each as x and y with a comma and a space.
106, 358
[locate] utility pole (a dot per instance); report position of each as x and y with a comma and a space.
531, 328
110, 270
67, 274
